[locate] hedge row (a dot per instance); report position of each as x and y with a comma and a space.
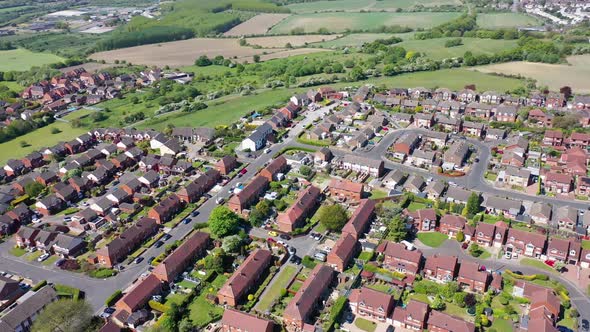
40, 285
111, 300
158, 306
63, 290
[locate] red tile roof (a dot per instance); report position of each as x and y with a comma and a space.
182, 255
142, 292
398, 250
449, 322
372, 298
360, 218
247, 272
471, 271
346, 185
453, 221
306, 200
302, 305
244, 321
442, 262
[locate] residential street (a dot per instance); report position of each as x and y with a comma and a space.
98, 290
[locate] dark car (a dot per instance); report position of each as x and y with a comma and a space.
186, 221
285, 237
476, 160
194, 213
517, 272
109, 310
585, 326
138, 260
166, 237
158, 244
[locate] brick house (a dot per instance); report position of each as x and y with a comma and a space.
371, 304
558, 249
343, 251
140, 295
440, 268
345, 190
422, 219
553, 138
473, 278
413, 316
226, 164
237, 321
452, 224
249, 195
396, 257
558, 183
116, 250
278, 165
302, 208
181, 257
300, 309
166, 209
361, 218
484, 234
525, 243
245, 277
441, 322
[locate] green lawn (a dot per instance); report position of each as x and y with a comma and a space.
414, 206
432, 239
34, 255
485, 255
174, 298
201, 310
340, 22
502, 325
378, 194
538, 264
585, 244
222, 111
17, 251
49, 261
279, 283
22, 59
506, 20
366, 256
14, 86
365, 325
435, 48
37, 139
568, 322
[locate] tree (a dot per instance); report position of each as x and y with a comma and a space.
567, 91
64, 316
460, 236
186, 325
305, 170
259, 212
333, 217
250, 297
397, 228
203, 61
438, 303
472, 205
231, 243
470, 300
214, 262
33, 189
223, 221
256, 58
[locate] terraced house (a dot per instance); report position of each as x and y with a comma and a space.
245, 278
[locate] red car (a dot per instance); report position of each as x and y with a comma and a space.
243, 171
271, 240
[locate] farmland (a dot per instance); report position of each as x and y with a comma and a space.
37, 139
435, 48
506, 20
358, 39
554, 76
340, 22
295, 41
185, 52
366, 5
22, 59
257, 25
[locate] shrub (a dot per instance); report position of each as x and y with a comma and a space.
40, 285
158, 306
63, 290
111, 300
308, 262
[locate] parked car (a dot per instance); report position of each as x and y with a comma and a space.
195, 213
291, 250
285, 237
43, 257
158, 244
220, 200
273, 233
585, 325
166, 237
67, 219
508, 255
186, 221
60, 261
138, 260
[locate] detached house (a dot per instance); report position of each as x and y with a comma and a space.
440, 268
441, 322
422, 220
413, 316
396, 257
452, 224
558, 183
558, 249
472, 277
525, 243
367, 302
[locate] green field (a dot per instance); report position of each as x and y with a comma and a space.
14, 86
21, 59
340, 22
435, 48
506, 20
16, 8
358, 39
366, 5
37, 139
222, 111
